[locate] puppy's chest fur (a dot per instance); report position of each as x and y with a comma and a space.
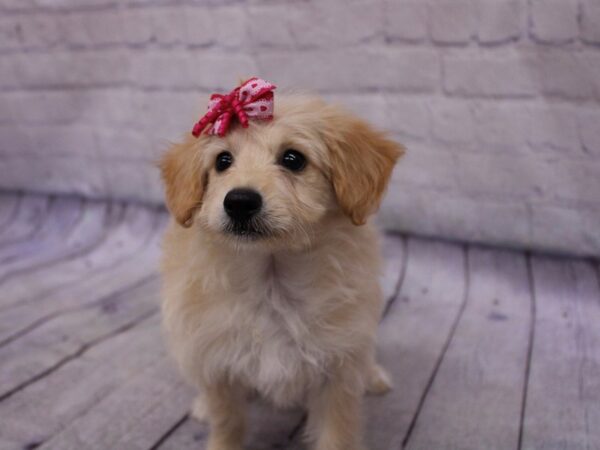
275, 338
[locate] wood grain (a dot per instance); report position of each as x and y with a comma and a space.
39, 411
563, 396
102, 239
9, 207
475, 399
413, 336
394, 256
487, 348
63, 337
28, 220
77, 241
98, 275
63, 216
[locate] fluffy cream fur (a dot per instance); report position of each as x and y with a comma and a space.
293, 315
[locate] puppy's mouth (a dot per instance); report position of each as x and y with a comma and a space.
252, 229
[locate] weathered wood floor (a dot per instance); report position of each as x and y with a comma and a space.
489, 349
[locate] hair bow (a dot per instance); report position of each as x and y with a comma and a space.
251, 100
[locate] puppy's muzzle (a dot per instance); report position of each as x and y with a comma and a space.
242, 204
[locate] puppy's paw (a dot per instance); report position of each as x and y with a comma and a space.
199, 409
215, 443
221, 446
379, 381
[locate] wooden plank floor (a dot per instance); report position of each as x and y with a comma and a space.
489, 349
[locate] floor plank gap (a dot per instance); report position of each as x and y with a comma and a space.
438, 363
170, 431
530, 344
398, 286
81, 351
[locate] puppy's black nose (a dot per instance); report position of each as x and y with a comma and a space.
242, 204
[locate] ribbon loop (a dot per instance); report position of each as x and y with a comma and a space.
252, 100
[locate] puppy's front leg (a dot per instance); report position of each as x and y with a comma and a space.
334, 416
226, 415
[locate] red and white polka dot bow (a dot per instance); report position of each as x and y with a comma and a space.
253, 99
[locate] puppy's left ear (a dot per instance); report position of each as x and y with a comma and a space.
362, 160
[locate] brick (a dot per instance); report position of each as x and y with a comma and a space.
10, 34
89, 68
113, 108
63, 141
274, 2
590, 21
230, 26
427, 166
509, 75
128, 26
53, 5
186, 25
452, 122
16, 5
589, 129
136, 26
554, 127
160, 25
463, 218
567, 179
208, 70
592, 68
328, 23
126, 180
324, 24
407, 118
122, 143
60, 69
572, 75
268, 26
166, 115
81, 140
74, 29
86, 29
452, 21
369, 107
498, 21
158, 115
15, 140
53, 174
406, 20
351, 69
501, 126
29, 31
165, 69
554, 21
39, 108
504, 176
118, 67
401, 117
404, 118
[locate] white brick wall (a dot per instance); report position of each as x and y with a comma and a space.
496, 100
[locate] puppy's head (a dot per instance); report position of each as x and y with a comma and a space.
276, 182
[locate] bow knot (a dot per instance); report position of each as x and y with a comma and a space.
252, 100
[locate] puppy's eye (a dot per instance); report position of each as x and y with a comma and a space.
293, 160
224, 160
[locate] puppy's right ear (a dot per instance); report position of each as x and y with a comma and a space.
184, 185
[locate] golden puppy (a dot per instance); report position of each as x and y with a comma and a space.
271, 269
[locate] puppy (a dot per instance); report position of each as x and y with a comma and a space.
270, 267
